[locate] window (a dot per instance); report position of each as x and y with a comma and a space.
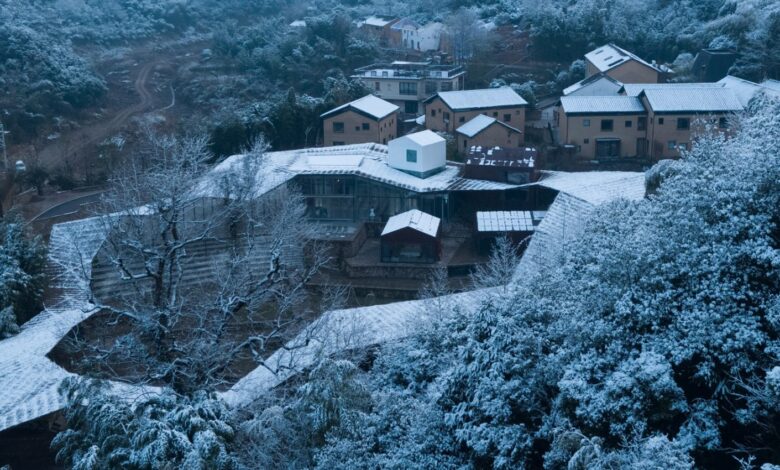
462, 119
373, 73
384, 74
660, 121
357, 128
465, 143
507, 117
366, 126
495, 114
586, 141
586, 123
447, 116
446, 86
607, 124
433, 113
683, 146
629, 124
641, 124
411, 156
430, 88
723, 123
376, 86
672, 144
338, 127
683, 124
407, 88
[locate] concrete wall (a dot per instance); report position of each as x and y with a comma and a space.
435, 109
494, 135
379, 131
574, 131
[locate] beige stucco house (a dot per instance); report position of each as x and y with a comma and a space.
368, 119
621, 65
486, 131
447, 111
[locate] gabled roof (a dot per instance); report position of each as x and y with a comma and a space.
480, 99
406, 23
415, 220
599, 84
479, 124
370, 105
771, 84
696, 100
426, 137
601, 105
635, 89
378, 21
610, 56
745, 90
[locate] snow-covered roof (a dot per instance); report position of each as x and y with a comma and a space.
365, 160
599, 84
377, 21
697, 100
596, 187
745, 90
426, 137
298, 24
505, 221
771, 84
415, 220
601, 104
610, 56
480, 99
635, 89
479, 124
406, 23
372, 105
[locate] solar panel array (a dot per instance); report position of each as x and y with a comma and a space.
505, 221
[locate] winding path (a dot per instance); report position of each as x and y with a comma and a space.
72, 148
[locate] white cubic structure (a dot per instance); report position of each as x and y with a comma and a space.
421, 154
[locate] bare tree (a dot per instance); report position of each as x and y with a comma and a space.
465, 34
500, 268
208, 275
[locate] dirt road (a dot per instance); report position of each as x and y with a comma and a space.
74, 147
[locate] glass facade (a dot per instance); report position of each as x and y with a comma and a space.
353, 198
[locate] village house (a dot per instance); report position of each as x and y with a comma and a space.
408, 84
595, 127
368, 119
487, 131
621, 65
673, 114
447, 111
379, 28
648, 120
408, 34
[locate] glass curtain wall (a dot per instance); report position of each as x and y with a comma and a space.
351, 198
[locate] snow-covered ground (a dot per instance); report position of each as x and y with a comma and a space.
30, 381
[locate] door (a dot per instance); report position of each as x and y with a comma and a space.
607, 148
